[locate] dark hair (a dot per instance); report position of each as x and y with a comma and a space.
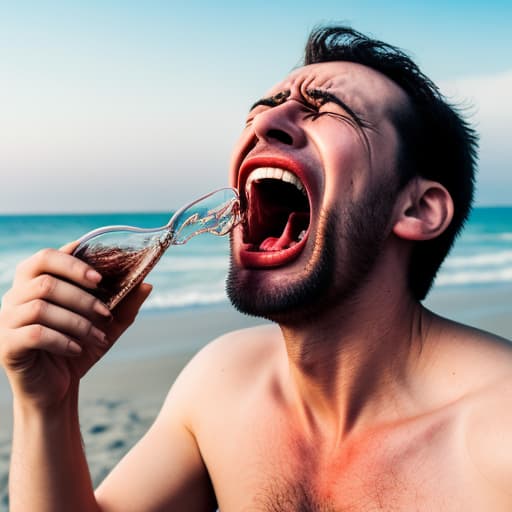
436, 142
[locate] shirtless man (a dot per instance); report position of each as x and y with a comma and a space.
359, 399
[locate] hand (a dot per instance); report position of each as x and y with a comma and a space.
53, 330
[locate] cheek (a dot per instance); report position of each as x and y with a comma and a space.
344, 182
346, 165
239, 151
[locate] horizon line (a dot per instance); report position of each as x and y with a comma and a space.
69, 213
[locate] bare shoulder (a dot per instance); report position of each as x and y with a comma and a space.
488, 435
472, 373
238, 354
487, 417
474, 357
229, 365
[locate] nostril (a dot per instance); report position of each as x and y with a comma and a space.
281, 136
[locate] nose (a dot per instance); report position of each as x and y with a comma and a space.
280, 124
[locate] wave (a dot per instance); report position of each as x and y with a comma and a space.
487, 237
503, 275
480, 260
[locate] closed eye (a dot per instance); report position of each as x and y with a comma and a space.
320, 99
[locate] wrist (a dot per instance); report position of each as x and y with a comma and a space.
28, 408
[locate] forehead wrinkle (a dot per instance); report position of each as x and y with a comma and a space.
356, 84
336, 85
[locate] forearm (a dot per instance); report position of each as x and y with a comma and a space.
49, 471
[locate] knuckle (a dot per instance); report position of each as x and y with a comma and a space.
43, 255
46, 284
82, 325
38, 308
35, 333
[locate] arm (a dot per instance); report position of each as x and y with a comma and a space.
48, 467
165, 470
51, 332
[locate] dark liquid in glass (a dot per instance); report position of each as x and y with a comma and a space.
122, 268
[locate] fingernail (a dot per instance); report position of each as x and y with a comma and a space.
73, 347
102, 309
93, 276
99, 336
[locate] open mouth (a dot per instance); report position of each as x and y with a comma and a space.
277, 215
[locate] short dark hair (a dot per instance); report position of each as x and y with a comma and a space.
436, 142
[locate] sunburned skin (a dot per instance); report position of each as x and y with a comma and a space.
261, 458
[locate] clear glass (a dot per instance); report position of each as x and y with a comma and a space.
124, 255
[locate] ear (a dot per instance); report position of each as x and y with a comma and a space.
425, 210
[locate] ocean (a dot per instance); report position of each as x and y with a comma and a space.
193, 275
188, 275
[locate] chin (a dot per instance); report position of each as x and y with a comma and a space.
284, 293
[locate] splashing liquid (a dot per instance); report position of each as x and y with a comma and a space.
124, 255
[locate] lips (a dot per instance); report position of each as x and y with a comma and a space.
276, 201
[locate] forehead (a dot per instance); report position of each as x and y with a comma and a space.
362, 88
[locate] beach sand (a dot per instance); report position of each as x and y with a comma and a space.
121, 396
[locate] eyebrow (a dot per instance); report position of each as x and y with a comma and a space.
311, 94
272, 101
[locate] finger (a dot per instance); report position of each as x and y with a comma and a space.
126, 311
52, 261
39, 337
69, 247
70, 324
58, 292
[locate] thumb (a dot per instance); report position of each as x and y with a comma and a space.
126, 311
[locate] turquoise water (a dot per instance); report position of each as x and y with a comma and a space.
193, 274
188, 275
483, 253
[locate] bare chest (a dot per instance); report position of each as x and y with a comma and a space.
419, 469
377, 482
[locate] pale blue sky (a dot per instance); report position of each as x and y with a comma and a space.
124, 105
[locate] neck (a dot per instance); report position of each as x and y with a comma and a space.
355, 365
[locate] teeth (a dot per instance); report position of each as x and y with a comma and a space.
301, 235
274, 173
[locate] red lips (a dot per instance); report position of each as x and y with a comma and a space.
283, 246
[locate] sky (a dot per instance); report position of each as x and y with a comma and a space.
135, 105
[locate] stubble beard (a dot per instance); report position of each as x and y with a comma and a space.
335, 272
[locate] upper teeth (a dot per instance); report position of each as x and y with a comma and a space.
276, 174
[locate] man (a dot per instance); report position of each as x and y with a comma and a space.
355, 177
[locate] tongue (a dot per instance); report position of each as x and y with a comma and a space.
288, 238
